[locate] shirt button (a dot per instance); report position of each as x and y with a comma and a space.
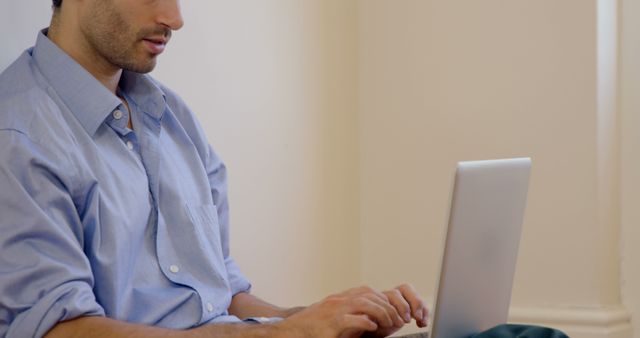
209, 307
174, 268
130, 146
117, 114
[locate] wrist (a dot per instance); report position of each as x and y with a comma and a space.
291, 311
285, 329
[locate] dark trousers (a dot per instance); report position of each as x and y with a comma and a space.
520, 331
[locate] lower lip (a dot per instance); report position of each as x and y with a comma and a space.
154, 47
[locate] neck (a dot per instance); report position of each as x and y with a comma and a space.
72, 42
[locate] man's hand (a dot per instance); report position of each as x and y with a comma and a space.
357, 312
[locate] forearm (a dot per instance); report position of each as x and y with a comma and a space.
245, 305
101, 327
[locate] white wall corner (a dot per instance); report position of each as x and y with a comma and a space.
601, 322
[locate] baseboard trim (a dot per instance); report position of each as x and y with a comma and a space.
613, 322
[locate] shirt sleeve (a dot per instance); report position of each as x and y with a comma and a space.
217, 174
45, 276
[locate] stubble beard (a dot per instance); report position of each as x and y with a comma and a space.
117, 42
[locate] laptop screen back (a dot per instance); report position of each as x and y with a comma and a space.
481, 246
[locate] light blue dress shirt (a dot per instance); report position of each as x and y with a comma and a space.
100, 220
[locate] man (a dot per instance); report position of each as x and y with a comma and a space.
113, 207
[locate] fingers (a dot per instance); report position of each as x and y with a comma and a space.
376, 311
419, 311
402, 306
404, 299
359, 323
385, 314
389, 310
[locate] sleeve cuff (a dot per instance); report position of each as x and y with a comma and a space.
67, 302
237, 281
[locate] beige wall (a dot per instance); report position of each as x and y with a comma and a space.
341, 122
443, 81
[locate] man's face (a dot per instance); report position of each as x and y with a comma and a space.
129, 34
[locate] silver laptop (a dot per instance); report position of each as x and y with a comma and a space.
481, 247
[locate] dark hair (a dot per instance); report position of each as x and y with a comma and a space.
57, 3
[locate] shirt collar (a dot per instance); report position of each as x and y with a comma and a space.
85, 96
88, 99
144, 92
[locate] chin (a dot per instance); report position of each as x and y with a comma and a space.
142, 67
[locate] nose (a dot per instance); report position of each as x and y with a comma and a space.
170, 15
